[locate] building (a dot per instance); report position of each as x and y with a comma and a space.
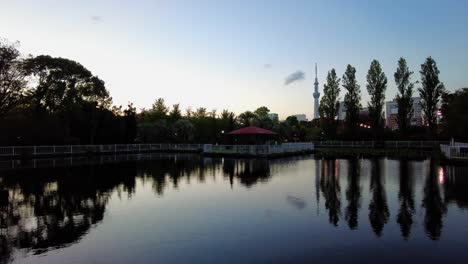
363, 114
391, 113
301, 117
316, 95
273, 116
341, 111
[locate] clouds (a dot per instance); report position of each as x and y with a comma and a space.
96, 19
294, 77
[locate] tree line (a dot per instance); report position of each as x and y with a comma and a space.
50, 100
430, 92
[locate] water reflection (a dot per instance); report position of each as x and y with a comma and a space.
45, 209
406, 198
433, 203
48, 209
330, 187
378, 207
353, 193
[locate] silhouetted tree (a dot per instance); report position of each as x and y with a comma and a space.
12, 78
262, 111
376, 86
404, 96
455, 114
352, 99
430, 93
328, 107
159, 110
175, 113
246, 118
62, 83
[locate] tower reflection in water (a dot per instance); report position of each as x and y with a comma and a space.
49, 208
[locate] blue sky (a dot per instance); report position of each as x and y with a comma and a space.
236, 54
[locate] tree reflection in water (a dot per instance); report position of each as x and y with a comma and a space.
353, 193
433, 203
378, 208
45, 209
49, 209
330, 187
455, 181
406, 197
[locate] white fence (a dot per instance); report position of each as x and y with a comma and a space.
258, 150
373, 144
84, 149
456, 150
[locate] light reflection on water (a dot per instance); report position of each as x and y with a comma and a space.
184, 208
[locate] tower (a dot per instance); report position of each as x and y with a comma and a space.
316, 95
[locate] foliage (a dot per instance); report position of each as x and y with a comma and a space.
62, 83
12, 78
262, 111
352, 99
376, 86
455, 114
430, 92
175, 113
328, 107
247, 118
404, 96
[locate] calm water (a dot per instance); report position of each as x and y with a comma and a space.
188, 209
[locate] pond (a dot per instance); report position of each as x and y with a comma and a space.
184, 208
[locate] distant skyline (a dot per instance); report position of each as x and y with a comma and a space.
240, 54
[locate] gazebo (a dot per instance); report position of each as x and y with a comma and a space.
252, 136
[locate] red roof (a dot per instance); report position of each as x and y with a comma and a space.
252, 130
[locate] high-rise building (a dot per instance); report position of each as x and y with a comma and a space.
341, 111
316, 95
301, 117
391, 113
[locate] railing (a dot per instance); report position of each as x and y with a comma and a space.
456, 150
373, 144
258, 150
84, 149
69, 161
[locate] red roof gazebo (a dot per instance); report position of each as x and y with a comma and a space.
252, 135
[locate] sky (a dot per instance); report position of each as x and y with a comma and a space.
238, 54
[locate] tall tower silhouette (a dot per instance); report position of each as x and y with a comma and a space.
316, 95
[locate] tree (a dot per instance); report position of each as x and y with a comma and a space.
328, 107
376, 86
200, 113
62, 83
246, 118
183, 130
12, 78
262, 111
352, 99
404, 96
175, 113
159, 109
130, 123
292, 120
455, 114
430, 92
